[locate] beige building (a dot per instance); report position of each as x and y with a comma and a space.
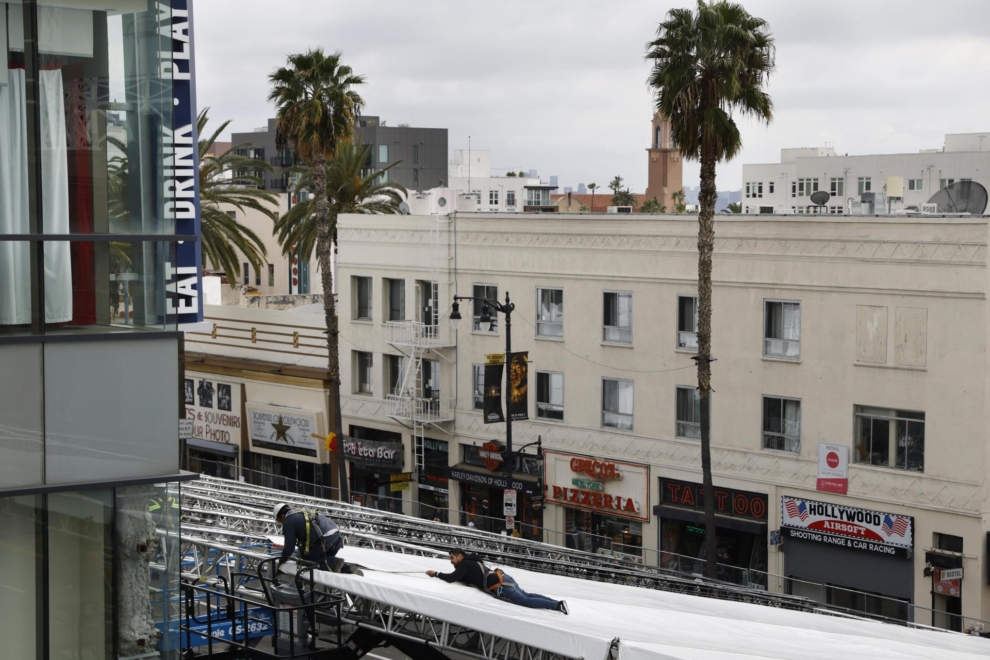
856, 341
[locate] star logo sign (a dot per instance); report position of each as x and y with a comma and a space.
281, 430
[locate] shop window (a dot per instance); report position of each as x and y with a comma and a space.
688, 413
362, 298
364, 363
549, 312
485, 292
478, 385
593, 532
550, 396
617, 404
782, 329
687, 322
890, 438
396, 290
396, 369
781, 424
617, 317
867, 603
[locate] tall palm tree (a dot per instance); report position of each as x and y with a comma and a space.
709, 65
624, 197
316, 105
225, 180
653, 206
616, 184
348, 191
592, 187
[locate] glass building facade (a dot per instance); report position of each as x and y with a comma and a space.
93, 216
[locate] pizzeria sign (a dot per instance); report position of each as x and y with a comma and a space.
861, 529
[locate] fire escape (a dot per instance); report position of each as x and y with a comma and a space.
418, 401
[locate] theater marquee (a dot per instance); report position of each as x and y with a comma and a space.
601, 485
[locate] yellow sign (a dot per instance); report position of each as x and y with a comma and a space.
399, 485
495, 358
400, 476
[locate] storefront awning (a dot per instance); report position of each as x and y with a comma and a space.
215, 447
698, 518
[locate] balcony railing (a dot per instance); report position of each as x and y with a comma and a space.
415, 333
426, 411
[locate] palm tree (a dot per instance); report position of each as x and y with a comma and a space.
653, 206
348, 191
679, 205
624, 198
709, 66
224, 180
616, 184
734, 207
592, 187
316, 105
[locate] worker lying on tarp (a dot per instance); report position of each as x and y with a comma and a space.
317, 536
471, 570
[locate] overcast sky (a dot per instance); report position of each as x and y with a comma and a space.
560, 85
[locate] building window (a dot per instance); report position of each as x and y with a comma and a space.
770, 187
836, 187
550, 395
485, 292
550, 312
864, 184
890, 438
396, 300
232, 215
687, 322
383, 153
781, 424
510, 198
688, 413
537, 197
365, 363
257, 277
617, 404
415, 154
942, 183
914, 184
396, 369
247, 273
755, 189
766, 210
362, 298
493, 198
617, 317
431, 380
415, 176
947, 542
271, 274
478, 385
782, 329
804, 187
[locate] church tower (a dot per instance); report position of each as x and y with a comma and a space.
664, 173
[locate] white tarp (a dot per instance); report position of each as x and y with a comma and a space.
650, 624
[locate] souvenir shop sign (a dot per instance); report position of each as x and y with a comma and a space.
214, 407
728, 501
283, 429
601, 485
382, 453
860, 529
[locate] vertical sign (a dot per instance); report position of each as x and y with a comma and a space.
493, 388
180, 161
509, 502
833, 468
518, 386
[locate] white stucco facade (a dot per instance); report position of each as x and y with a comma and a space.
786, 187
892, 316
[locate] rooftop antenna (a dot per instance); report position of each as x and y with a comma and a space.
820, 197
469, 164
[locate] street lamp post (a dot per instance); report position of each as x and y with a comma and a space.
505, 308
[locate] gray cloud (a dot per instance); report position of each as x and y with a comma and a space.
560, 85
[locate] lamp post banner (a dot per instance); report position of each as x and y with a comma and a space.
518, 386
493, 394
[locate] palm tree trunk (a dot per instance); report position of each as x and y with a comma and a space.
706, 242
323, 247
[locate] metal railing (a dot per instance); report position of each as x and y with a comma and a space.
427, 411
416, 333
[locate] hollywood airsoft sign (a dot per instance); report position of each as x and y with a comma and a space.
859, 529
598, 485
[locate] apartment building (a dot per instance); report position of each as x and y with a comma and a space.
866, 340
863, 184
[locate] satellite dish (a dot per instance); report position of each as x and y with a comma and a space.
442, 202
820, 197
404, 208
961, 197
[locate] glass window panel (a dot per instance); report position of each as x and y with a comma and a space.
550, 312
688, 412
80, 553
21, 558
21, 421
362, 293
396, 300
550, 395
479, 386
687, 322
617, 315
485, 292
365, 365
617, 403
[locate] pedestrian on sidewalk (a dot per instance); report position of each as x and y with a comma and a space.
470, 569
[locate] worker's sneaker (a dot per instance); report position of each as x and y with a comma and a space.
562, 607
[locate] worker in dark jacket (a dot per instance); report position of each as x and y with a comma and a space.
317, 537
471, 570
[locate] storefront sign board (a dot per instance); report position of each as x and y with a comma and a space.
489, 480
950, 573
509, 502
833, 468
728, 501
860, 529
185, 429
283, 429
380, 453
623, 491
400, 476
396, 486
214, 406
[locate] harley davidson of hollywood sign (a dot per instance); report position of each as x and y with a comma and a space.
875, 531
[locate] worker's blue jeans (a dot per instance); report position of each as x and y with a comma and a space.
512, 592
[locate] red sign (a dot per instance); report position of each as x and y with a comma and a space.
491, 456
945, 587
832, 459
728, 502
595, 499
601, 470
833, 468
